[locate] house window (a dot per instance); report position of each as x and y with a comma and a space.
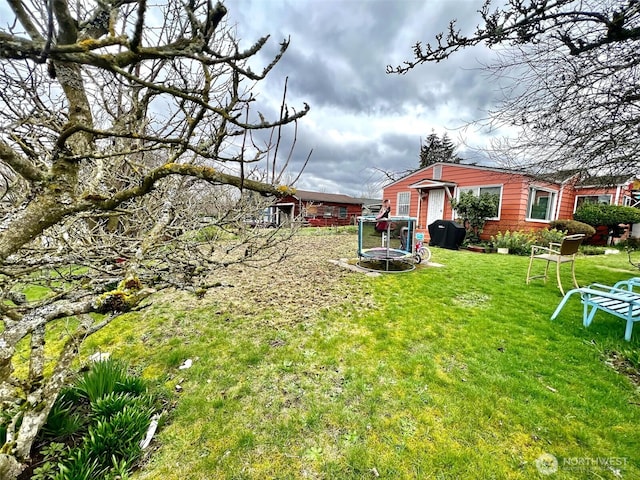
492, 190
602, 199
311, 210
343, 212
437, 172
541, 204
403, 203
328, 211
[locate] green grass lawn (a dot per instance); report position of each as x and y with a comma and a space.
452, 372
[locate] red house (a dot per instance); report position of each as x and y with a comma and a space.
318, 209
526, 202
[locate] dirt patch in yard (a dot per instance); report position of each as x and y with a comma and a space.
620, 363
306, 281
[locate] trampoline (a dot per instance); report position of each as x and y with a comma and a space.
386, 246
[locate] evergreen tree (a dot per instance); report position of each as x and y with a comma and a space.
436, 149
575, 102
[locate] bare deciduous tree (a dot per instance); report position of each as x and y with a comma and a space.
573, 71
128, 163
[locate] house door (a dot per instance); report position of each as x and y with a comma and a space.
435, 206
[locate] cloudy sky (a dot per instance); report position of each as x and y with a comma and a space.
363, 120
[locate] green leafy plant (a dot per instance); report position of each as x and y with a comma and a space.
53, 453
501, 239
518, 242
46, 471
548, 235
79, 467
475, 210
63, 421
101, 379
115, 402
596, 214
592, 250
117, 437
102, 417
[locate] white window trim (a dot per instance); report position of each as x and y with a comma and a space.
476, 191
408, 204
552, 208
575, 202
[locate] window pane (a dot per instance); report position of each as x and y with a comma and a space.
403, 203
582, 199
540, 204
495, 191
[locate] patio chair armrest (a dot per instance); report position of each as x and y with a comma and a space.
615, 288
629, 284
619, 294
539, 248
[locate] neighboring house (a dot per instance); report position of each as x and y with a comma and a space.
526, 202
318, 209
371, 206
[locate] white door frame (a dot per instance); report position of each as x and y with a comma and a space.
435, 205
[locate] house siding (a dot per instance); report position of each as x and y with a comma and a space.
313, 211
514, 195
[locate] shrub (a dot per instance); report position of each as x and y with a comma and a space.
573, 227
475, 210
631, 243
596, 214
592, 250
518, 243
547, 236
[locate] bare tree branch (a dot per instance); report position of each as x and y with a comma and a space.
123, 172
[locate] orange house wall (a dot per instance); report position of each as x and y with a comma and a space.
513, 205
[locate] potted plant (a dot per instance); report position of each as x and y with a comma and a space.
502, 241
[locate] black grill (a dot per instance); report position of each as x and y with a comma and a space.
446, 234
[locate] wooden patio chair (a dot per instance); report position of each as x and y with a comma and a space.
558, 253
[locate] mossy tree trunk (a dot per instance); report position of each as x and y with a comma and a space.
115, 143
